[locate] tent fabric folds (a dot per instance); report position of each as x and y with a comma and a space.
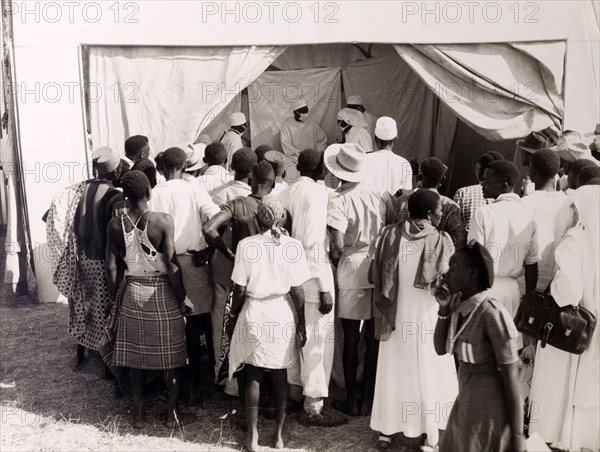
169, 94
503, 91
389, 87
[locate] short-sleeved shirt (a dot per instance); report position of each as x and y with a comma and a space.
508, 230
186, 203
555, 214
360, 212
231, 190
269, 269
214, 177
387, 170
242, 215
486, 334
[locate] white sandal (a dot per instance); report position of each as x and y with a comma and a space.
384, 442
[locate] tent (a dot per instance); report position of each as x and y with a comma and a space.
85, 74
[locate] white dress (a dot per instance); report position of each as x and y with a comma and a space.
415, 388
265, 332
565, 390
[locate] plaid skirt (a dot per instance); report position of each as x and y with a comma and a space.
150, 328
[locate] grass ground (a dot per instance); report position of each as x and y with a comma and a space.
45, 406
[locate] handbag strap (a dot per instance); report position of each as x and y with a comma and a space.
547, 289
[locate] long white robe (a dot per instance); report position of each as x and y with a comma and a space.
565, 391
415, 388
296, 136
360, 136
232, 141
371, 121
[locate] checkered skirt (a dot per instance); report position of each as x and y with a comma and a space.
150, 330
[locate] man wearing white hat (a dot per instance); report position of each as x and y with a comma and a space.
355, 216
357, 103
299, 133
194, 162
232, 139
384, 168
353, 127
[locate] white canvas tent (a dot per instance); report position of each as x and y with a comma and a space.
240, 40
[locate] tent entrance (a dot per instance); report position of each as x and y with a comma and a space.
175, 94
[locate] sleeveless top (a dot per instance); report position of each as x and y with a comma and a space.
141, 257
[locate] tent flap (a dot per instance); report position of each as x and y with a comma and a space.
169, 94
503, 91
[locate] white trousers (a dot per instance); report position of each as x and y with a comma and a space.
312, 371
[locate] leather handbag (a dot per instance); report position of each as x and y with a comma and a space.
569, 328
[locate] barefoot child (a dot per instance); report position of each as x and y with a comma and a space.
488, 412
267, 324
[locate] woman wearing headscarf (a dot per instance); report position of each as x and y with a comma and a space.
479, 332
267, 314
413, 386
567, 411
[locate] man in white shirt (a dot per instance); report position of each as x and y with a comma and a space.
232, 138
508, 230
355, 216
189, 205
354, 129
215, 156
299, 133
241, 163
306, 203
383, 168
554, 212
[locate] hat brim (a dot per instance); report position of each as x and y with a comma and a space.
330, 159
531, 150
196, 166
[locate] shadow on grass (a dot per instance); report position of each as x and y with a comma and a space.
35, 358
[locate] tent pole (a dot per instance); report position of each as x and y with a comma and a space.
26, 283
84, 112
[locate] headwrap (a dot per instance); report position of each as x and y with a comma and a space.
270, 212
353, 117
433, 263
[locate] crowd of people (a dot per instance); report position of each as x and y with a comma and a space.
298, 268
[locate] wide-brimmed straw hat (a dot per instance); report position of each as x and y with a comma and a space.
345, 161
570, 147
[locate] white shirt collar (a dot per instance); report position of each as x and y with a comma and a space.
508, 197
